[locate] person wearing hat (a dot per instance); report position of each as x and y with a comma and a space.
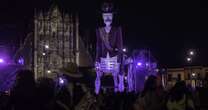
109, 41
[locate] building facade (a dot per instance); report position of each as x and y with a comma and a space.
56, 40
192, 75
54, 43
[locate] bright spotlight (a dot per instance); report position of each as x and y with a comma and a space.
61, 80
49, 71
124, 49
21, 61
139, 64
1, 60
147, 64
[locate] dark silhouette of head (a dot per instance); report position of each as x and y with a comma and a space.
46, 89
150, 84
24, 91
178, 91
24, 79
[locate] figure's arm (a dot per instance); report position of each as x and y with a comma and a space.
119, 40
120, 48
98, 46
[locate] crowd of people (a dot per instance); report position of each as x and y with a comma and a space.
155, 98
46, 94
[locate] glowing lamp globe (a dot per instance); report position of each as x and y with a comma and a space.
191, 52
188, 59
47, 46
49, 71
193, 74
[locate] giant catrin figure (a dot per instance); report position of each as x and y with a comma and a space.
109, 50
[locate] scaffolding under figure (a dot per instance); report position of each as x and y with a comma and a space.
109, 65
140, 65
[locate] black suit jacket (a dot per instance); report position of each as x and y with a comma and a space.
115, 41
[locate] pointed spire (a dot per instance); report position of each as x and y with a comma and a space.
54, 2
40, 15
54, 10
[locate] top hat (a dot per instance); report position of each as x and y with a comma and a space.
107, 7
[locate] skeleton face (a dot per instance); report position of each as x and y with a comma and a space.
108, 18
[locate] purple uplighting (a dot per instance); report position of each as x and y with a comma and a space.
21, 61
61, 80
139, 64
147, 64
1, 60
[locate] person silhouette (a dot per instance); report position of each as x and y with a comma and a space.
23, 93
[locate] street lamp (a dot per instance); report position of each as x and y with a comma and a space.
189, 59
194, 78
43, 53
193, 74
47, 46
49, 71
191, 53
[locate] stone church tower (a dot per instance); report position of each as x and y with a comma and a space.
56, 41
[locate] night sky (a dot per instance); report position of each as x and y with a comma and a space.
167, 28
